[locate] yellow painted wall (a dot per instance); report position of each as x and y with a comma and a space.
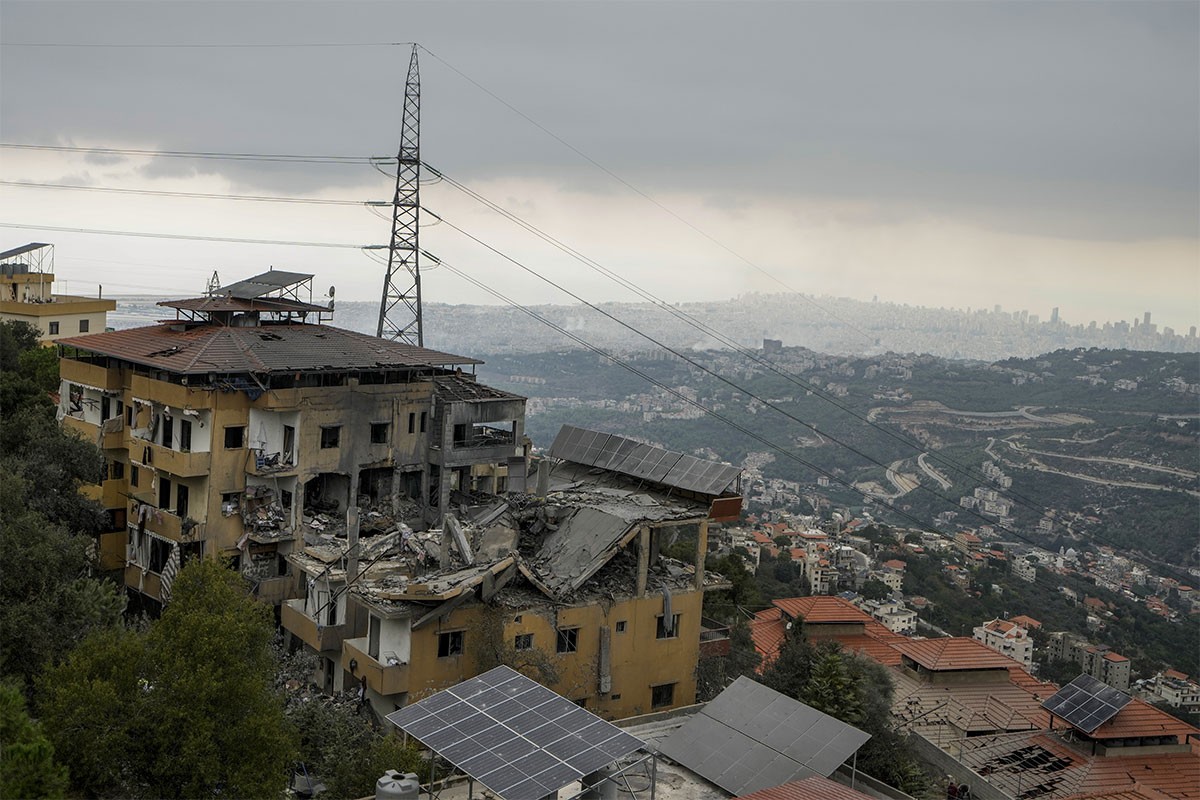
639, 660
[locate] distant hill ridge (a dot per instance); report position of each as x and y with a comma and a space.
844, 327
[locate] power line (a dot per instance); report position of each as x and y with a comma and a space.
728, 341
679, 218
285, 158
202, 45
143, 235
723, 379
201, 195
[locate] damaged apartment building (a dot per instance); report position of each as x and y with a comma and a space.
565, 582
246, 427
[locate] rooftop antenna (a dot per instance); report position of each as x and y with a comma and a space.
400, 308
214, 283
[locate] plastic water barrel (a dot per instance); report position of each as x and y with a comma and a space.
396, 786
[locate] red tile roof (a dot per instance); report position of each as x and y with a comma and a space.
819, 610
200, 349
1139, 718
768, 630
1026, 622
953, 653
811, 788
895, 563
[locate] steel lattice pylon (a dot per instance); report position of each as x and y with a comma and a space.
400, 309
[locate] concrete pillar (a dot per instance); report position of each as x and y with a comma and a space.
701, 553
543, 478
352, 525
643, 560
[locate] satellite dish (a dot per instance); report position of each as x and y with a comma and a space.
331, 290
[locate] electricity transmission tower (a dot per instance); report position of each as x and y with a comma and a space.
400, 308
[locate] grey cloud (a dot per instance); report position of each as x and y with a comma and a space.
1075, 119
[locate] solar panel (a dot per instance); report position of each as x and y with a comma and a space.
513, 735
1086, 703
643, 461
751, 737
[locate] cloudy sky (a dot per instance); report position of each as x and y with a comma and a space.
936, 153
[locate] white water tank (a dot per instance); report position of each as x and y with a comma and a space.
396, 786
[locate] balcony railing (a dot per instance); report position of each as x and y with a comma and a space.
382, 677
167, 524
305, 628
183, 464
714, 638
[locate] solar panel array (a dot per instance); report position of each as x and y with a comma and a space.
751, 737
513, 735
1086, 703
643, 461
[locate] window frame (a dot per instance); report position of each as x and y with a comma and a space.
331, 437
566, 640
660, 630
451, 643
376, 436
656, 700
523, 642
241, 433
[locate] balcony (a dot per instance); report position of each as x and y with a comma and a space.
171, 394
714, 638
149, 584
275, 590
109, 494
383, 678
270, 464
166, 524
318, 637
185, 465
90, 374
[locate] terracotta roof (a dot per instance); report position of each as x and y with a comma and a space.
819, 610
953, 653
895, 563
1117, 657
1139, 718
199, 349
1026, 622
811, 788
768, 631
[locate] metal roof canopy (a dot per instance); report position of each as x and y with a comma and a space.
751, 737
642, 461
23, 249
1086, 703
263, 284
513, 735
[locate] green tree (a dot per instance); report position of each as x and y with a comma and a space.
875, 589
189, 707
48, 602
830, 687
27, 765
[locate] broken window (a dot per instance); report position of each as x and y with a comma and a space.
423, 415
164, 493
667, 628
662, 695
379, 433
330, 436
412, 422
160, 551
185, 436
116, 470
133, 475
181, 500
450, 643
235, 437
374, 627
568, 640
168, 431
621, 626
524, 641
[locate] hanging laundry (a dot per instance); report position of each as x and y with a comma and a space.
168, 574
